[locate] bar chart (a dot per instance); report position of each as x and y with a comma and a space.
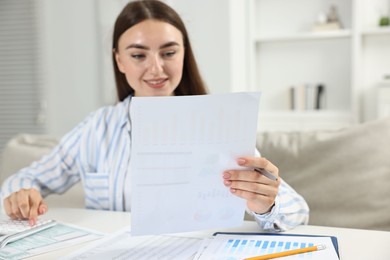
238, 247
262, 247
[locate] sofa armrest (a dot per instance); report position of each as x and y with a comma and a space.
22, 150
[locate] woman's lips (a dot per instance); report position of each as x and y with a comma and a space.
156, 83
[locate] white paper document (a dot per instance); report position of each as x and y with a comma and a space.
237, 247
58, 236
180, 147
122, 245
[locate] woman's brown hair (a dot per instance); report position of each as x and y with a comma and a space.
135, 12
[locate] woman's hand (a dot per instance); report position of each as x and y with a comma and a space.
258, 190
25, 204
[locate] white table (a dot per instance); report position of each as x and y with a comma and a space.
354, 244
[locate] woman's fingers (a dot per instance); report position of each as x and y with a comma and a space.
25, 204
259, 162
257, 189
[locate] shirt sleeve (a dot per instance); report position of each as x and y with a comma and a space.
289, 211
55, 172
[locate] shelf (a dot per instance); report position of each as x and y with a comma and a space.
306, 36
285, 52
303, 120
377, 31
306, 113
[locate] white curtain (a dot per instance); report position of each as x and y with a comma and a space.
21, 103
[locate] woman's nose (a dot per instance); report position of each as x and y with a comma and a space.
156, 65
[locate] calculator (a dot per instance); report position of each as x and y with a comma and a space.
12, 230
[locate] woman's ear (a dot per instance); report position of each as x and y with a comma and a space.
118, 61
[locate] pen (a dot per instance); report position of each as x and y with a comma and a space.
266, 173
287, 253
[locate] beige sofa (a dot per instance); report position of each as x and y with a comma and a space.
343, 174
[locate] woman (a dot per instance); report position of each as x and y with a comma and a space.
152, 56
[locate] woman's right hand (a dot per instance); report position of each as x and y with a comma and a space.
25, 204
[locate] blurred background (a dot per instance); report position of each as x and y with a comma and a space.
320, 64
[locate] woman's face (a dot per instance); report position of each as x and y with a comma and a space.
151, 55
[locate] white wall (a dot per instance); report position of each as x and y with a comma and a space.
218, 34
208, 26
71, 58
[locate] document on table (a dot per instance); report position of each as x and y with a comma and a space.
122, 245
180, 147
58, 236
237, 247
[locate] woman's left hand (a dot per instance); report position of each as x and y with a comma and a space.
258, 190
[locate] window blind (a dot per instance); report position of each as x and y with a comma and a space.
20, 76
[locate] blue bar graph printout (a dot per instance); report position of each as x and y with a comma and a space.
261, 246
236, 247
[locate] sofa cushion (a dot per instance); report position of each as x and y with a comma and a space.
343, 174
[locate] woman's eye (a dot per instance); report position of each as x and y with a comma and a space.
169, 54
137, 56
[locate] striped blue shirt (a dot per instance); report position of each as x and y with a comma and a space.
97, 152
